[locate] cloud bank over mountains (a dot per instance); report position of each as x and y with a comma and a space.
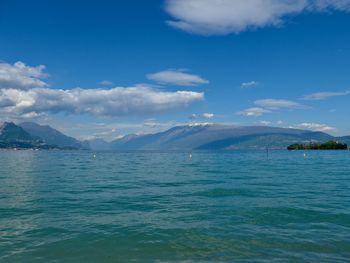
23, 93
314, 127
222, 17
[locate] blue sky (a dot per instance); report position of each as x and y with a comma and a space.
116, 67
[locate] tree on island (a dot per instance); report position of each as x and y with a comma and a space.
331, 145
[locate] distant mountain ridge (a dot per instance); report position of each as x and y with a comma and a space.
218, 137
30, 135
344, 139
264, 140
179, 138
11, 132
99, 145
52, 136
13, 136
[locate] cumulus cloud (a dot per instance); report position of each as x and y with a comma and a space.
23, 94
279, 104
21, 76
315, 127
177, 77
325, 95
253, 112
118, 101
221, 17
249, 84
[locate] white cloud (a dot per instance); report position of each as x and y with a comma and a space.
253, 112
196, 124
325, 95
265, 123
220, 17
118, 101
249, 84
21, 76
177, 77
270, 105
278, 104
24, 95
106, 83
202, 116
315, 127
208, 115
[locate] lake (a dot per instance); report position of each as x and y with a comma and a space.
240, 206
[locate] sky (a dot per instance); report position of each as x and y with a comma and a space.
103, 69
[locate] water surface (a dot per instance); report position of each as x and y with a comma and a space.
67, 206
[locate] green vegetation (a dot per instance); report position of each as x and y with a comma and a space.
331, 145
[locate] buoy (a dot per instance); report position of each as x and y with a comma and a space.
190, 156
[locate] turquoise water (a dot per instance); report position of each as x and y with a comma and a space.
58, 206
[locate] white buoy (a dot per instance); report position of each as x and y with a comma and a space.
190, 156
305, 155
94, 155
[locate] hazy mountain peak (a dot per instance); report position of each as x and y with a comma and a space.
51, 136
201, 124
11, 132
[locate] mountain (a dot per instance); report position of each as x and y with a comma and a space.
52, 136
180, 138
13, 136
99, 145
33, 136
270, 140
344, 139
10, 132
218, 137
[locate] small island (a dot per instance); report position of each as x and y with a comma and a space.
331, 145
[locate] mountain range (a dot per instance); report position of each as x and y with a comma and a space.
32, 135
51, 136
13, 136
215, 137
218, 137
179, 138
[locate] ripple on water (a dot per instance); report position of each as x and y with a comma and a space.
69, 207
